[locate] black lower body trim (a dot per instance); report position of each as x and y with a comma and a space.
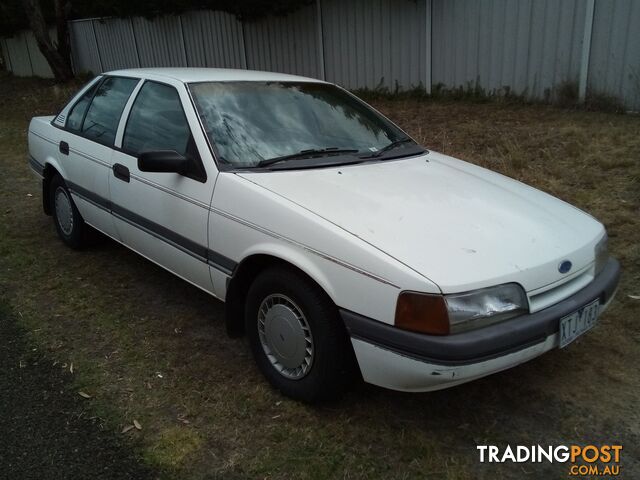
89, 196
200, 252
36, 166
484, 343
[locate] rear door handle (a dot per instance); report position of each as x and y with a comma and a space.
64, 148
121, 172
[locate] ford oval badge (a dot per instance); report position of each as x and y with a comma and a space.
564, 266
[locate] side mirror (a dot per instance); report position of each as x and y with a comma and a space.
166, 161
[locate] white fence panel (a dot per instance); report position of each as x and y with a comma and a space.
116, 44
614, 64
39, 65
213, 39
526, 47
287, 44
19, 55
377, 42
84, 47
159, 42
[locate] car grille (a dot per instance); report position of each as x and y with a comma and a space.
551, 294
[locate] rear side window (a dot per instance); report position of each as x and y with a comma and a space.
157, 122
103, 115
74, 119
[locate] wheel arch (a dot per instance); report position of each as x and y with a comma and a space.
48, 173
243, 275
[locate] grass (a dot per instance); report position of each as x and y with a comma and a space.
564, 95
48, 430
148, 347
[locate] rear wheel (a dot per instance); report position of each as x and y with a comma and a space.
69, 223
297, 338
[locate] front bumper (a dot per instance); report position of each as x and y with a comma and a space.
409, 361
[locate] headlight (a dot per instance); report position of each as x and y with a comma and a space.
486, 306
602, 253
444, 314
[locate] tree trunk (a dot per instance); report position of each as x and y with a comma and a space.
58, 58
62, 11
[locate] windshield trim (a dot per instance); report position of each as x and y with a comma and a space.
360, 163
215, 154
223, 166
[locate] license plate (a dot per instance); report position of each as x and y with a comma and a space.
578, 322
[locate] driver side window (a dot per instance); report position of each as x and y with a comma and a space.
157, 122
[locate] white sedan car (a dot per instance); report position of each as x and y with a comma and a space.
340, 246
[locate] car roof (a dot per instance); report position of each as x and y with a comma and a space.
193, 75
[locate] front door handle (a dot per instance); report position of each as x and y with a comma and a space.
64, 148
121, 172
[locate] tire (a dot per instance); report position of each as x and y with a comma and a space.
285, 311
70, 225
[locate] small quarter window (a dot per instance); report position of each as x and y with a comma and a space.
102, 118
74, 119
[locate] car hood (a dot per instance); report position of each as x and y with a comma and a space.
459, 225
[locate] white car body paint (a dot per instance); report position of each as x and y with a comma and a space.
460, 225
355, 275
364, 233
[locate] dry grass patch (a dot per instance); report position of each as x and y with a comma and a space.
173, 447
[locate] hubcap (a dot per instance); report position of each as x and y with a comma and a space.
64, 212
285, 336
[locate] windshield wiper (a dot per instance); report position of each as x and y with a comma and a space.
391, 146
306, 154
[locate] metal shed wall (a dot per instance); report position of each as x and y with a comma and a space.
285, 44
525, 47
614, 63
19, 55
528, 47
84, 47
116, 43
159, 42
23, 56
213, 39
39, 65
376, 42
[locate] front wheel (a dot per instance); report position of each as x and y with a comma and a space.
297, 338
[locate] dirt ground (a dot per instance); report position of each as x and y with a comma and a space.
148, 347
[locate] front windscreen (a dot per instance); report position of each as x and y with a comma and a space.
252, 122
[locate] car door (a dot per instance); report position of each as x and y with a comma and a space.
163, 216
86, 146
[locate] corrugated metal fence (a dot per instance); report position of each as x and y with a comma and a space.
528, 47
22, 55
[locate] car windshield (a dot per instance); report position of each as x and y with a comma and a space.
255, 123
